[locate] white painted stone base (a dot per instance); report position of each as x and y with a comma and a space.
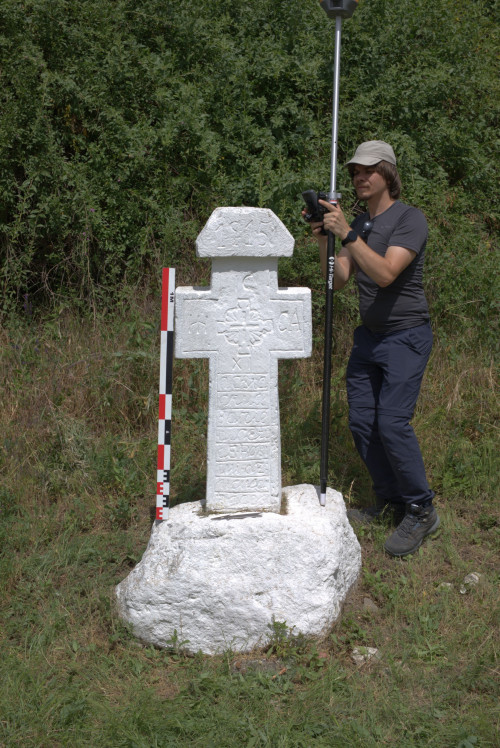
219, 580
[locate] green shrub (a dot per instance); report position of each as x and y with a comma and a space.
123, 125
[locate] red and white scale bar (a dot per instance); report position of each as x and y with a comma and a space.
165, 409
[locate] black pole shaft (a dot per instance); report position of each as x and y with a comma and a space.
327, 365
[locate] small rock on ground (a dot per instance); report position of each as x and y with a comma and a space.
361, 655
369, 606
469, 581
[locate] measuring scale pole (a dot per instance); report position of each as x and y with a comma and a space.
165, 407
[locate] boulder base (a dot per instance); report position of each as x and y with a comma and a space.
216, 582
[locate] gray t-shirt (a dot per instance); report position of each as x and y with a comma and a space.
402, 304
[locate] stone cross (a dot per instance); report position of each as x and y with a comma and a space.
244, 323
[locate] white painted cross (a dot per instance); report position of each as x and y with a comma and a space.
244, 323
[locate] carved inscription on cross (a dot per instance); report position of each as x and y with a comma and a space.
244, 323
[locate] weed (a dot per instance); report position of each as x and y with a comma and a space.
122, 512
350, 633
175, 644
281, 641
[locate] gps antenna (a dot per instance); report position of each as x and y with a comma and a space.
337, 9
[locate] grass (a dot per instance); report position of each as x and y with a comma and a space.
77, 466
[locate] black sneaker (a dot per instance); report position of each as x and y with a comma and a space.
419, 522
367, 514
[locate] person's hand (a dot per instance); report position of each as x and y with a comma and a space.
316, 226
334, 220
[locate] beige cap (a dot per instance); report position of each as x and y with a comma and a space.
371, 152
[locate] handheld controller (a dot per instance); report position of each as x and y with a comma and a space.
315, 211
342, 8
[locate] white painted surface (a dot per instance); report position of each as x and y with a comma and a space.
244, 232
219, 580
243, 324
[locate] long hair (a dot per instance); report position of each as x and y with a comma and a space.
389, 173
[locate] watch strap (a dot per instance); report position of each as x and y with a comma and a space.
351, 237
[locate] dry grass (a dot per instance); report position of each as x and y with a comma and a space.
77, 460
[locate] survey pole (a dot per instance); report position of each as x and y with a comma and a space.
337, 9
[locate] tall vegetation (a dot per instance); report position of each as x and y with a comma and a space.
122, 125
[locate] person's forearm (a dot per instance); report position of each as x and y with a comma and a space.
382, 270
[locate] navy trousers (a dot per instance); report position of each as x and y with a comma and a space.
384, 375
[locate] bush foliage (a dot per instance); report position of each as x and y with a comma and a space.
124, 124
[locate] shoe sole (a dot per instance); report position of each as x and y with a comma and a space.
432, 530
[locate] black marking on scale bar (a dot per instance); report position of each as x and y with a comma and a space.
170, 360
168, 429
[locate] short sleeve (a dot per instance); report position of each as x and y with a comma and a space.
410, 231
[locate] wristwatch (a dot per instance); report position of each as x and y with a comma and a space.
351, 237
